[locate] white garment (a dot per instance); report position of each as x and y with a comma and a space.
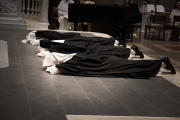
144, 17
63, 9
174, 12
34, 42
53, 70
116, 42
42, 49
30, 37
43, 53
56, 58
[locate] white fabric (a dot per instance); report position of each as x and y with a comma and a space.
34, 42
43, 53
173, 13
58, 41
53, 70
31, 37
63, 9
163, 65
56, 58
144, 17
133, 52
24, 41
41, 49
116, 42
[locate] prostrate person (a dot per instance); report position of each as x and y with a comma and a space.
73, 54
175, 12
63, 14
111, 67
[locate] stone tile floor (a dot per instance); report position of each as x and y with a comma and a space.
29, 93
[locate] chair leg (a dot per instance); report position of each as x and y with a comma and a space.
164, 35
132, 36
159, 34
140, 34
149, 33
172, 35
145, 34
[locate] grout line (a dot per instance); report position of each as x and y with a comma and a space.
57, 93
24, 78
114, 96
86, 96
163, 92
143, 97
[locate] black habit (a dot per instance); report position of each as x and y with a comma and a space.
97, 56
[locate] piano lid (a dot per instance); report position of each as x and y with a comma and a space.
104, 14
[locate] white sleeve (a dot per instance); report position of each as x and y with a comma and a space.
60, 9
53, 70
172, 14
43, 53
140, 10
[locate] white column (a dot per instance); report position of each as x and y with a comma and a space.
23, 7
44, 15
39, 9
32, 9
28, 7
12, 20
36, 5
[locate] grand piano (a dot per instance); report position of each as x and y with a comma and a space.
104, 14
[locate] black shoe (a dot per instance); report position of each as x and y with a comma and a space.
138, 52
121, 42
169, 66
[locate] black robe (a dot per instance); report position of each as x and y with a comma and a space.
110, 66
97, 56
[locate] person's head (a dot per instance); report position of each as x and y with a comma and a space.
178, 5
126, 2
145, 2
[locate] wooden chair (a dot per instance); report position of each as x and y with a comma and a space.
138, 25
124, 32
54, 17
175, 28
153, 25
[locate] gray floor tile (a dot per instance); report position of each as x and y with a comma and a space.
15, 116
14, 105
130, 99
78, 107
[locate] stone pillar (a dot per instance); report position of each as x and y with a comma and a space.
44, 15
10, 15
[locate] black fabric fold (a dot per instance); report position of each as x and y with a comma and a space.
97, 56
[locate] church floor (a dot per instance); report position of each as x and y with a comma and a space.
29, 93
